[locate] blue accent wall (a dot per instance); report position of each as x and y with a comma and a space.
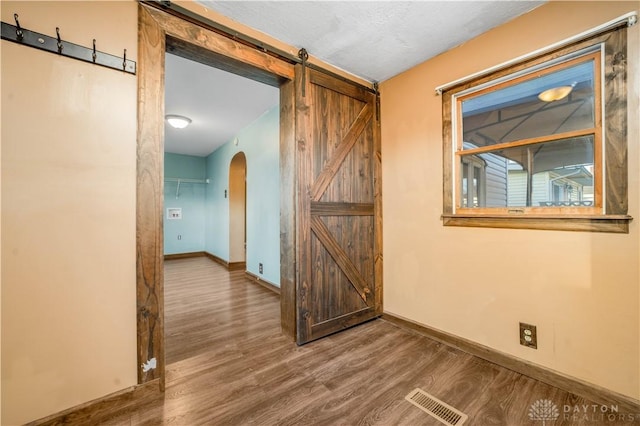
217, 204
187, 234
260, 143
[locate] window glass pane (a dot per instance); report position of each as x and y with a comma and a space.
549, 174
519, 112
476, 187
465, 180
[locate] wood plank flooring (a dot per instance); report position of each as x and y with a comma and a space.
229, 364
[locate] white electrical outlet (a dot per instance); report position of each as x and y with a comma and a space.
174, 213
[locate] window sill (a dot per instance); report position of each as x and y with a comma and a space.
597, 223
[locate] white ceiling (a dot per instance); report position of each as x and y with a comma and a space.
374, 40
219, 104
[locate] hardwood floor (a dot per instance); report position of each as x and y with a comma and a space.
229, 364
207, 306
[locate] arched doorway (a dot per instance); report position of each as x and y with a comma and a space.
238, 211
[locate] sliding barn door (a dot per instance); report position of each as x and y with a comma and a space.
339, 215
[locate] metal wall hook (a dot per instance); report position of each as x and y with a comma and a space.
60, 47
54, 44
19, 33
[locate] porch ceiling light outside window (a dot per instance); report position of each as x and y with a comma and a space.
556, 93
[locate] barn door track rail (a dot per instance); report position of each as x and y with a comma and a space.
17, 34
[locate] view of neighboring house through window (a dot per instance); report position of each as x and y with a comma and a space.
532, 142
543, 142
473, 182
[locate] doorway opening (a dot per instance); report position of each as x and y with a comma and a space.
226, 215
238, 212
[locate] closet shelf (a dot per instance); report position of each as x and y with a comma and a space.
184, 180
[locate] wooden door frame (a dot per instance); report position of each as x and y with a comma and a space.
157, 32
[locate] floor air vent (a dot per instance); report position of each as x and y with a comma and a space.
436, 408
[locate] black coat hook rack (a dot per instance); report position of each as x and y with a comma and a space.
20, 35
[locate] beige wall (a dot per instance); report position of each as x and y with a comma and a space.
68, 213
580, 289
0, 245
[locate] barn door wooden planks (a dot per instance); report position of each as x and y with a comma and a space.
339, 231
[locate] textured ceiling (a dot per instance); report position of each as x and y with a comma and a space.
374, 40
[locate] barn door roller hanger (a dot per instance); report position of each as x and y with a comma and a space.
17, 34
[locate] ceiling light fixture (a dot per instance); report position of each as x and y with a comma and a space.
178, 121
556, 93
